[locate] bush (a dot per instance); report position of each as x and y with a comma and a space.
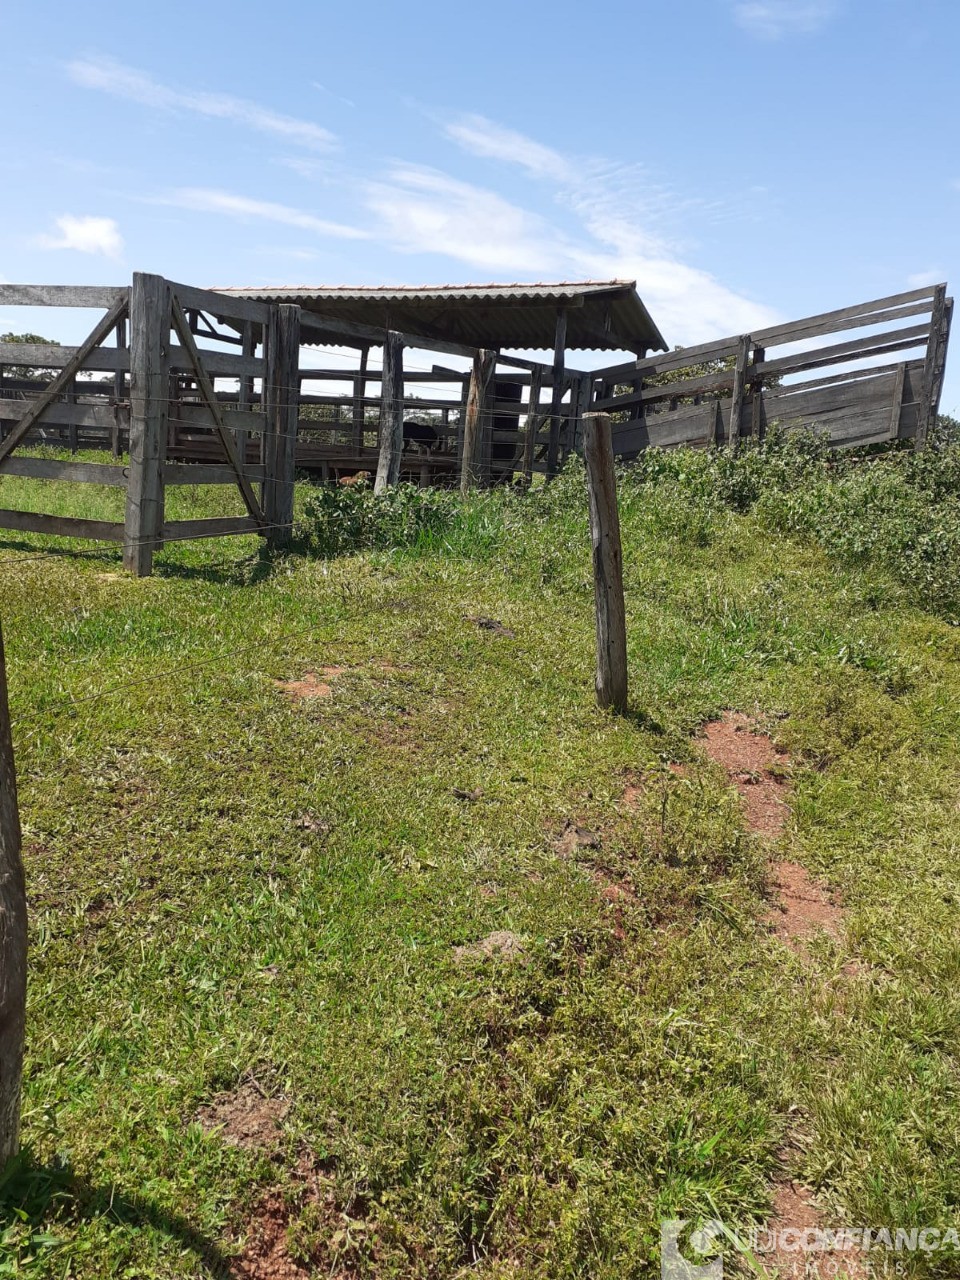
339, 519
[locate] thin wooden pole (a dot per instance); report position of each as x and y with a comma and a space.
391, 413
533, 424
13, 938
607, 562
359, 396
556, 398
150, 320
483, 365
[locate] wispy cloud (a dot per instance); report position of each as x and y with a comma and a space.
775, 19
85, 235
322, 88
618, 209
110, 76
421, 210
229, 204
920, 279
484, 137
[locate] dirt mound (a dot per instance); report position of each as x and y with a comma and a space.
244, 1117
500, 945
573, 838
755, 767
311, 685
299, 1234
803, 905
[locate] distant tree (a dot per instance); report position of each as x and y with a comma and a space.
947, 430
26, 371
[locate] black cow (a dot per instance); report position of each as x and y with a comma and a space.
420, 434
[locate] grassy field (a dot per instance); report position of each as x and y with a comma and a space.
229, 884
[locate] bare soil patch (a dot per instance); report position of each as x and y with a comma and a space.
573, 838
803, 904
500, 945
797, 1220
754, 765
298, 1235
311, 685
244, 1117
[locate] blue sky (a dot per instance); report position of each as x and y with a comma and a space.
744, 160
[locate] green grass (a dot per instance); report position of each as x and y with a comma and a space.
662, 1058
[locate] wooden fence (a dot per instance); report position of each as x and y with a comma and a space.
850, 389
160, 394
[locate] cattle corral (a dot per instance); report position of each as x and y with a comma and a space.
257, 383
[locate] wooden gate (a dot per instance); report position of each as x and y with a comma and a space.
163, 391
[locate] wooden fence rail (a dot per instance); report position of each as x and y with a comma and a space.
850, 390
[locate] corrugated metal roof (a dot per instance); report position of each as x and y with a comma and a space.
605, 315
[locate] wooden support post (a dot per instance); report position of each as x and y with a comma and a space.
556, 398
391, 413
756, 388
282, 402
149, 346
607, 562
359, 396
533, 424
13, 938
739, 389
484, 363
488, 414
933, 366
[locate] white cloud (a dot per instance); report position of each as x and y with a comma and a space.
85, 235
920, 279
424, 211
485, 138
230, 205
774, 19
110, 76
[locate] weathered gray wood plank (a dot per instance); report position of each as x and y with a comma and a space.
55, 469
212, 527
13, 938
206, 473
282, 390
857, 349
150, 303
61, 526
62, 295
391, 413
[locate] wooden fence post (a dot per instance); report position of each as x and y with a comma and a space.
484, 363
933, 368
739, 391
607, 562
391, 413
282, 395
533, 424
13, 938
150, 320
